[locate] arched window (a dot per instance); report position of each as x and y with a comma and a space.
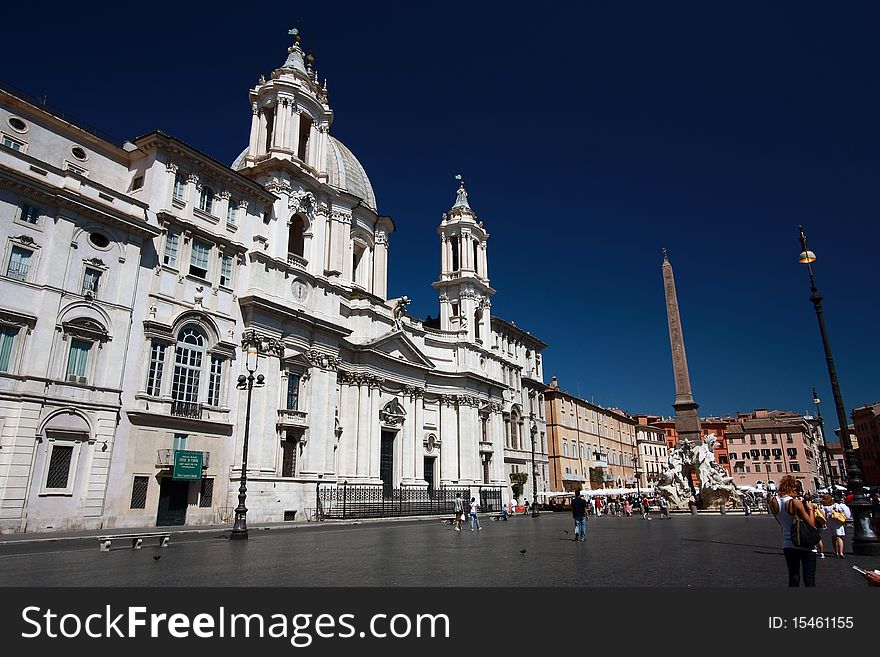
206, 199
295, 238
189, 354
564, 448
476, 257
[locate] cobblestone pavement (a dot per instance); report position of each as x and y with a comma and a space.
685, 550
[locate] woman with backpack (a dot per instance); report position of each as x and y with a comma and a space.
786, 507
837, 514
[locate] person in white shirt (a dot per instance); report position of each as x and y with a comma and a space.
474, 519
837, 514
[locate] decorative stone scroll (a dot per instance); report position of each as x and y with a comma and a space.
266, 344
393, 413
322, 360
301, 201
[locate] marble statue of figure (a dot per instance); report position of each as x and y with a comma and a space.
716, 486
399, 307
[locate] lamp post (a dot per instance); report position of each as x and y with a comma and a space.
534, 431
826, 461
865, 541
239, 529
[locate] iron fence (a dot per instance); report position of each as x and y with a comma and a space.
349, 501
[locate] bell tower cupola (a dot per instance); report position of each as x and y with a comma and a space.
291, 116
464, 271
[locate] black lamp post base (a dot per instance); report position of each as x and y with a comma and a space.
238, 535
865, 542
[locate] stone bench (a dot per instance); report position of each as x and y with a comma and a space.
136, 539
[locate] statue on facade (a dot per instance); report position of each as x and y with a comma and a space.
399, 308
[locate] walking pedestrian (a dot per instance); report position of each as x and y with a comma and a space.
579, 513
646, 510
474, 519
664, 508
747, 510
627, 508
459, 511
785, 506
525, 505
837, 514
598, 506
821, 522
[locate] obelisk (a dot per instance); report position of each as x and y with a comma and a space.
687, 421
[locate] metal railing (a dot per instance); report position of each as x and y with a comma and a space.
344, 501
191, 410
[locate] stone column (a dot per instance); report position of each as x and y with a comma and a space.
276, 125
407, 435
375, 430
321, 149
347, 461
444, 249
485, 262
418, 432
497, 443
293, 132
380, 265
263, 130
284, 120
448, 440
363, 430
255, 131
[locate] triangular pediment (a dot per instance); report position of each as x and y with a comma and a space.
397, 346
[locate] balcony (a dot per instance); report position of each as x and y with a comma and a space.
165, 458
291, 417
191, 410
295, 260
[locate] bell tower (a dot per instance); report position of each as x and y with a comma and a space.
291, 116
465, 294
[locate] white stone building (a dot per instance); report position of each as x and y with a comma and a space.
73, 230
287, 251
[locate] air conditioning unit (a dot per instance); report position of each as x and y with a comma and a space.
83, 379
71, 378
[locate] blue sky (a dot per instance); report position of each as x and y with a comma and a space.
589, 137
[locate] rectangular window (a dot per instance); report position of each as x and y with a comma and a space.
198, 263
179, 187
206, 494
156, 368
77, 170
215, 380
29, 214
172, 240
179, 443
59, 466
288, 457
78, 360
226, 270
90, 281
794, 467
7, 340
231, 211
139, 492
292, 391
14, 144
206, 200
19, 263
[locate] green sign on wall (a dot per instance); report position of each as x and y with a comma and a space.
187, 465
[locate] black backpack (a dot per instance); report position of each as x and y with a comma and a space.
803, 535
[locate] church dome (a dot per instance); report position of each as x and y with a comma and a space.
347, 174
344, 172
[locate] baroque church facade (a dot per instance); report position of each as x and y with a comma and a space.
140, 282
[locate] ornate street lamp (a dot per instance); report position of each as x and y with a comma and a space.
534, 431
865, 541
239, 529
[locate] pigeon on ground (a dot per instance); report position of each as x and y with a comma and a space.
523, 551
156, 558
